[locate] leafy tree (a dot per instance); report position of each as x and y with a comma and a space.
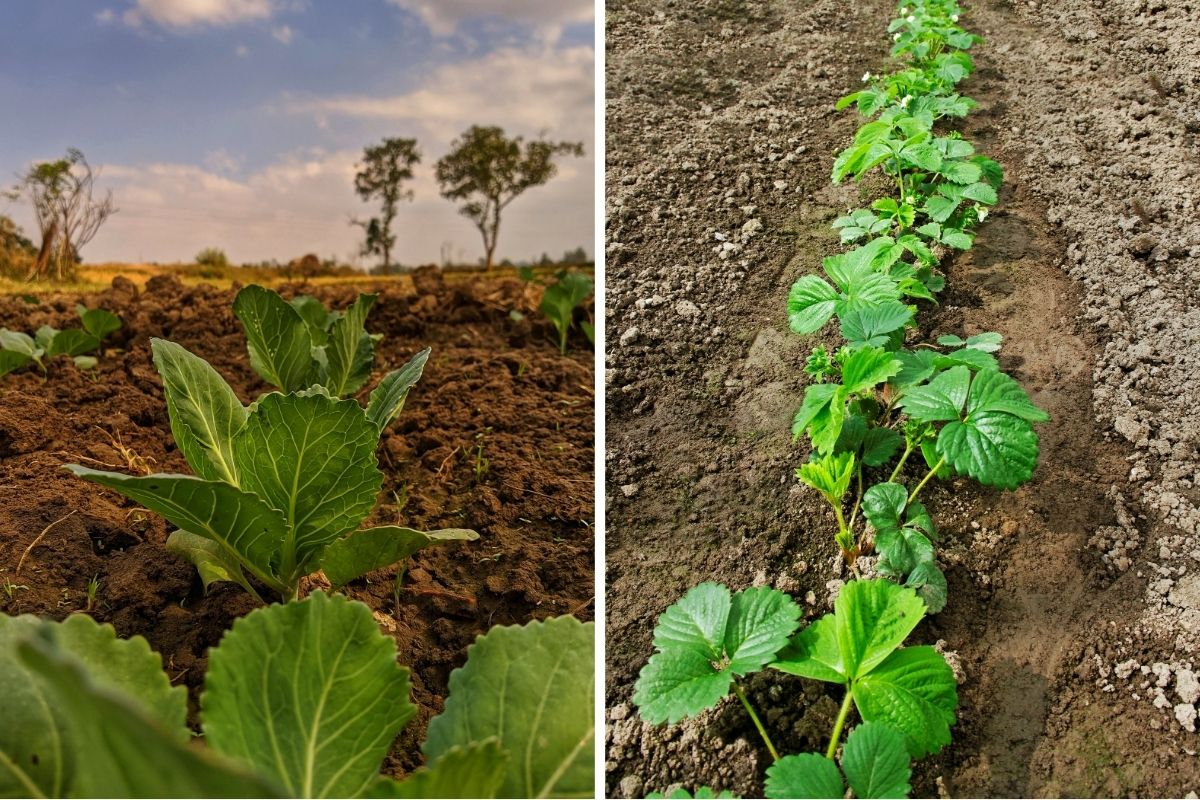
65, 206
385, 168
486, 171
16, 251
212, 257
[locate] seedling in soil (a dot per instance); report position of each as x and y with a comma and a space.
18, 349
482, 465
280, 488
517, 721
560, 299
906, 696
93, 589
297, 345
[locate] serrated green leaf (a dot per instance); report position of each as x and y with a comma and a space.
350, 351
677, 684
806, 775
387, 399
940, 208
876, 762
830, 475
313, 459
760, 621
533, 686
813, 653
320, 731
916, 367
119, 751
879, 445
976, 360
913, 691
957, 239
930, 584
697, 621
939, 400
277, 337
473, 770
239, 521
872, 326
873, 618
867, 367
941, 468
204, 411
961, 172
992, 390
924, 156
97, 321
816, 399
826, 427
702, 793
980, 193
993, 447
375, 548
810, 304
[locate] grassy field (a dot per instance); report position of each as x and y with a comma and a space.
97, 277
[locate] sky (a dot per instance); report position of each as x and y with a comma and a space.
238, 123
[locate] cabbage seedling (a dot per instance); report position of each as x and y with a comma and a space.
18, 349
560, 300
300, 700
300, 344
280, 488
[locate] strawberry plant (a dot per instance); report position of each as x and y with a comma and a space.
300, 700
281, 487
297, 345
18, 349
906, 696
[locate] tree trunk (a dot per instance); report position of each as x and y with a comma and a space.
43, 259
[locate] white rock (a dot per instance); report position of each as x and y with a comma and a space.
1186, 686
1185, 713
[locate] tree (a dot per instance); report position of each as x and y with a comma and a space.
16, 251
487, 171
385, 169
68, 214
212, 257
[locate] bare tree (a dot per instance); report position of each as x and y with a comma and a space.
68, 214
487, 171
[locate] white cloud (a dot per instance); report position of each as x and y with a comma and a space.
444, 16
283, 34
242, 51
106, 16
195, 13
303, 202
524, 91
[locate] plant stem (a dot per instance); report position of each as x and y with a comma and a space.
840, 723
857, 500
737, 690
924, 481
908, 449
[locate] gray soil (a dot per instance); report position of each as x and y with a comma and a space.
1074, 610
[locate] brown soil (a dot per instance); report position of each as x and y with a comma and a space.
720, 114
490, 381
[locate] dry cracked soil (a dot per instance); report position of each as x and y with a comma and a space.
1074, 610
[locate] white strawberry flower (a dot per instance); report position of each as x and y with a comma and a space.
983, 212
954, 17
907, 99
866, 77
896, 37
910, 19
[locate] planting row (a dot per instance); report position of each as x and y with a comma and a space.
878, 405
302, 698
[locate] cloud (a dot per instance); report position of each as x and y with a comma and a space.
242, 51
197, 13
526, 91
283, 34
303, 202
106, 16
443, 17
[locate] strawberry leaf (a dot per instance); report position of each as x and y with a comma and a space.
806, 775
876, 762
912, 690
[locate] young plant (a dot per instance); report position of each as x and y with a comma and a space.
561, 298
281, 487
19, 350
300, 700
906, 696
294, 346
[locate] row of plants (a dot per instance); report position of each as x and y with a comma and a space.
302, 698
18, 350
882, 402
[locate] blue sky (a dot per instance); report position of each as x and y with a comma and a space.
237, 123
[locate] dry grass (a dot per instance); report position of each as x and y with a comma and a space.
97, 277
